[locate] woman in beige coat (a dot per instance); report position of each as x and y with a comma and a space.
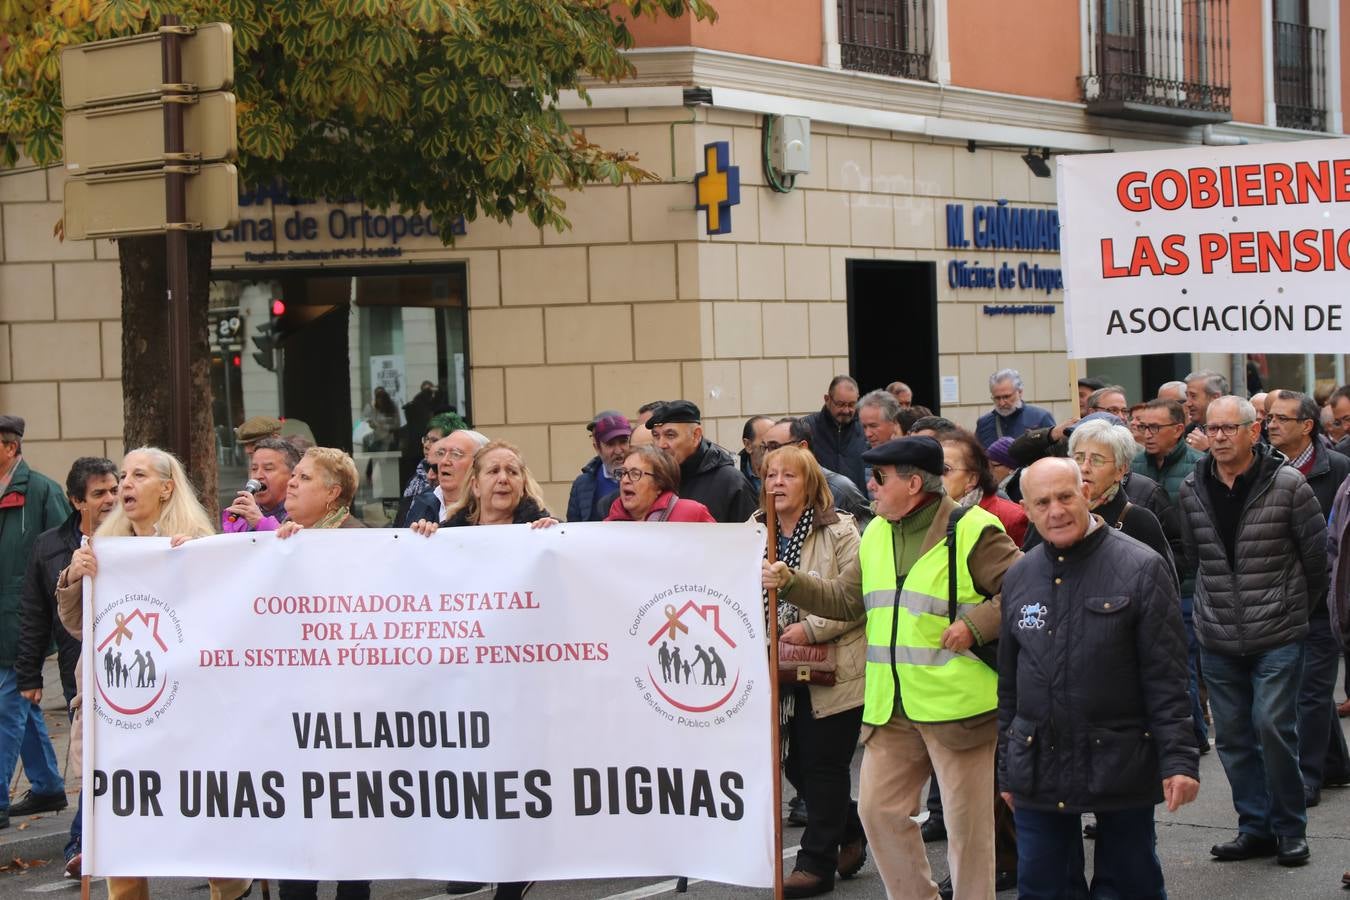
821, 723
155, 499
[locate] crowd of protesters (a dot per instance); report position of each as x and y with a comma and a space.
1177, 559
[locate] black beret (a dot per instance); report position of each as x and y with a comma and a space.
920, 452
675, 411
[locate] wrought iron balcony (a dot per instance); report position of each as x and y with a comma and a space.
1300, 77
1159, 61
886, 37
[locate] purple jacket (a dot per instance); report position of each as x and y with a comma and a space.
239, 525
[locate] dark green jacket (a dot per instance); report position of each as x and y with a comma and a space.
30, 505
1177, 464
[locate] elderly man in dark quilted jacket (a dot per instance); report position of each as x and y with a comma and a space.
1092, 706
1256, 532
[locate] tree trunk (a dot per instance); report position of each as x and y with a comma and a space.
145, 354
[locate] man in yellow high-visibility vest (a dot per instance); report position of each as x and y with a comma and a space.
930, 702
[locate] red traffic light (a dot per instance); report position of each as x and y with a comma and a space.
278, 307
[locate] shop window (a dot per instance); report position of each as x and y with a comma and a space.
887, 37
1158, 60
358, 361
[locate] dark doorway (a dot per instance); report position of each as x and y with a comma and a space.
892, 326
1156, 369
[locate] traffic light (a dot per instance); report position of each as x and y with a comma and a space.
267, 336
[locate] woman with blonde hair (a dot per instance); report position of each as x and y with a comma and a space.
319, 495
154, 499
320, 492
500, 491
821, 722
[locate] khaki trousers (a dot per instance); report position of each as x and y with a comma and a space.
898, 759
139, 888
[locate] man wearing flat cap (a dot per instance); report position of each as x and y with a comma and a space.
255, 429
610, 431
708, 473
930, 702
30, 503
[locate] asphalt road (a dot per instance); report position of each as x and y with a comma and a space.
31, 862
1184, 840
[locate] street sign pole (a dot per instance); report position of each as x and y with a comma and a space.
175, 238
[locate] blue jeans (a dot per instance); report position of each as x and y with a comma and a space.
1125, 860
24, 734
1255, 704
1192, 667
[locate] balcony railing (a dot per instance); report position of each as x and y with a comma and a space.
887, 37
1159, 60
1300, 77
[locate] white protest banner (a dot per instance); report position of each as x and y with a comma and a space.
487, 704
1217, 249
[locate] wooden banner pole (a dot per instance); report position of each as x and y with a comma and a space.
771, 522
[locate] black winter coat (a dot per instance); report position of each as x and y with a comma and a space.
526, 511
38, 622
1092, 706
838, 449
1328, 470
1144, 491
711, 477
1133, 520
1281, 554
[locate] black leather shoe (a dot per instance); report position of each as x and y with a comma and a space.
1245, 846
797, 812
1293, 851
933, 830
1311, 798
455, 888
1090, 831
32, 803
1005, 881
945, 889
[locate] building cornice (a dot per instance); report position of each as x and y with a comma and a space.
920, 108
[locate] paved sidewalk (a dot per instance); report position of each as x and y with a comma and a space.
43, 837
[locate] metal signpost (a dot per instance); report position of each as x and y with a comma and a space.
149, 135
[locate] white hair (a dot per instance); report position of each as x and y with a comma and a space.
1244, 406
479, 439
1006, 375
1116, 438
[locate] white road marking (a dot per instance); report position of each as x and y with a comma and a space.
63, 884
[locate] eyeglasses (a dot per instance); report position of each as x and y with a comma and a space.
1095, 460
947, 470
770, 446
879, 476
1226, 430
634, 475
1120, 411
1342, 422
1284, 420
1153, 428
